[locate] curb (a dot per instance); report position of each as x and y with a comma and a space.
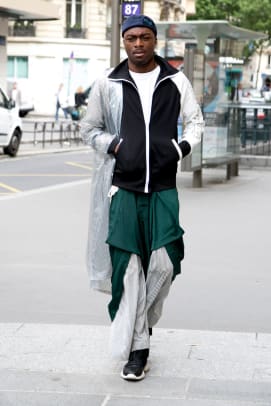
252, 161
35, 150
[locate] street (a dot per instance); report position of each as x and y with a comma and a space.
37, 171
225, 283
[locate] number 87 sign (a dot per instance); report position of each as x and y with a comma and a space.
130, 8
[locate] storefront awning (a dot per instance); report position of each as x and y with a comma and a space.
29, 10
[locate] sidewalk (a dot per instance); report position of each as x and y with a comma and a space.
51, 139
44, 364
28, 147
69, 365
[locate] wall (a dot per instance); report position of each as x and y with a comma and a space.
47, 50
3, 52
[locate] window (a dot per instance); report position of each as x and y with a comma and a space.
108, 19
74, 13
17, 67
75, 74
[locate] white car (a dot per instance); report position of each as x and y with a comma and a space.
10, 126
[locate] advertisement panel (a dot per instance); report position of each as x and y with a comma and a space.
215, 115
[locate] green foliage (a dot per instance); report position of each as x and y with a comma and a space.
255, 15
216, 9
23, 23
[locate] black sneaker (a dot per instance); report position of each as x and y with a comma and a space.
136, 366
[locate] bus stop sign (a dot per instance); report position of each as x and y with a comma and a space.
131, 7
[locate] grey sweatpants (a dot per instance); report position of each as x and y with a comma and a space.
141, 303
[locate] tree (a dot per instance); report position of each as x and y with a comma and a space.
215, 9
255, 15
248, 14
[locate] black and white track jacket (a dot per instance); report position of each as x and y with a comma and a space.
114, 112
146, 161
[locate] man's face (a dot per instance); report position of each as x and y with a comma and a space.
139, 43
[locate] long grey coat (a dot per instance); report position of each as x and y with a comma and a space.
99, 127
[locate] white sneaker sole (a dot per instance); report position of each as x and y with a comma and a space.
132, 377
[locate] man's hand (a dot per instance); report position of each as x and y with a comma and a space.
117, 146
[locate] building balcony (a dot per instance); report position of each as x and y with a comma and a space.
22, 29
74, 32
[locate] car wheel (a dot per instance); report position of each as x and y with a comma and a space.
14, 143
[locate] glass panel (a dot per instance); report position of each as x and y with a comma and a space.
75, 74
22, 67
81, 61
108, 19
11, 67
68, 13
78, 15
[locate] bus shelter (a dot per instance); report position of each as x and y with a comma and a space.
205, 43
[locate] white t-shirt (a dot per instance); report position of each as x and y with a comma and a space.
145, 83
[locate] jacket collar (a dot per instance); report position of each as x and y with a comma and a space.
121, 71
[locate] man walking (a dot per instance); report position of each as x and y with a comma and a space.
135, 240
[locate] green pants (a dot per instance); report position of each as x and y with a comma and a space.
141, 223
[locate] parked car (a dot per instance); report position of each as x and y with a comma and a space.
254, 97
251, 95
25, 108
10, 125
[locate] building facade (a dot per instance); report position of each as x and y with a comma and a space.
72, 50
15, 10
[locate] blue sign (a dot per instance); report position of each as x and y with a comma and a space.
130, 8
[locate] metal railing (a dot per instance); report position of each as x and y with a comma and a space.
22, 31
46, 133
252, 124
255, 133
72, 32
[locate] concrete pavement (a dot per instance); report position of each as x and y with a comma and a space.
67, 364
47, 364
29, 147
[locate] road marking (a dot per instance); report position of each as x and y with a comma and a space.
45, 189
79, 165
42, 174
9, 188
106, 400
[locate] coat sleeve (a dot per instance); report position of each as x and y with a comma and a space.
191, 115
93, 125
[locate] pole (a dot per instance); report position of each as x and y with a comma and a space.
115, 34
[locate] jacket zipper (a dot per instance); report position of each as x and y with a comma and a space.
147, 143
147, 178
